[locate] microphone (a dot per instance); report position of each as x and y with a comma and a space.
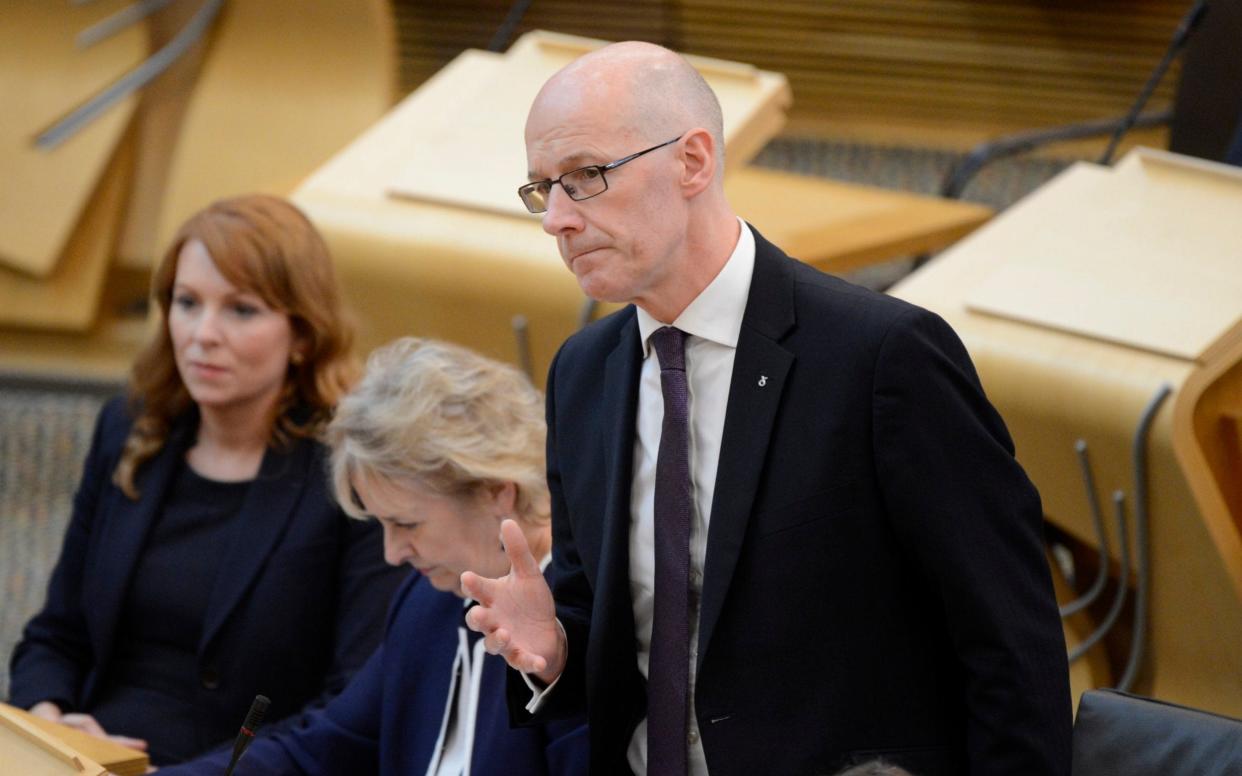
1184, 30
258, 707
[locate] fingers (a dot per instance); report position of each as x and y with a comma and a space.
46, 710
520, 557
86, 723
132, 743
498, 642
479, 588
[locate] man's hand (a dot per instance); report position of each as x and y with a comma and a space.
516, 613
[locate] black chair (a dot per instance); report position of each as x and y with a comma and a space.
1118, 734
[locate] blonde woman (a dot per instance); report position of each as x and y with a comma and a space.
439, 445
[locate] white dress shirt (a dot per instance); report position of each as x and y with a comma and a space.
712, 322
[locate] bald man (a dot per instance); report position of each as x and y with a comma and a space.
790, 534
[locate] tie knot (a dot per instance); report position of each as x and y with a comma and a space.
670, 347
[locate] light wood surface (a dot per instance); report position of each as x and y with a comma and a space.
276, 98
96, 755
68, 299
157, 126
42, 77
1054, 385
466, 150
910, 68
840, 227
1175, 296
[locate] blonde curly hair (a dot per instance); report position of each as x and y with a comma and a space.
444, 418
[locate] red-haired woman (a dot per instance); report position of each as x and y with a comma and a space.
205, 560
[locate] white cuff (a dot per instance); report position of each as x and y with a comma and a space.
539, 695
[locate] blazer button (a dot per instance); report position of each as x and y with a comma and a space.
210, 678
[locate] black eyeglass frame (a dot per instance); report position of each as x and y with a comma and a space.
601, 168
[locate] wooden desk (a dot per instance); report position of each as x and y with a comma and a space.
840, 227
30, 746
1077, 305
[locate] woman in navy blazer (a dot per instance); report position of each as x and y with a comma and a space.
440, 445
205, 561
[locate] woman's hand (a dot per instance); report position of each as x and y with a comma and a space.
46, 710
516, 613
88, 724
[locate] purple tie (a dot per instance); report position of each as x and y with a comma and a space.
668, 671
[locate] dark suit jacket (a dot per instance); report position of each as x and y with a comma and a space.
875, 582
388, 720
296, 608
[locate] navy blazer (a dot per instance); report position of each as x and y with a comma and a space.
388, 720
875, 581
296, 608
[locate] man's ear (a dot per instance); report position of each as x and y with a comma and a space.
698, 153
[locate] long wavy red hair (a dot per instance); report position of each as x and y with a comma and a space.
264, 245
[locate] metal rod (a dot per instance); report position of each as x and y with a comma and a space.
111, 25
133, 80
1101, 573
1142, 551
521, 332
1119, 597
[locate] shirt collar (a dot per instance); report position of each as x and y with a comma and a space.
716, 313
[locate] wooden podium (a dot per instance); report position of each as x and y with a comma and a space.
1106, 296
30, 746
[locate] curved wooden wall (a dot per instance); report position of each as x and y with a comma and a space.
970, 67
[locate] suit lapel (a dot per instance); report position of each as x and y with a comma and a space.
266, 511
620, 406
760, 367
124, 535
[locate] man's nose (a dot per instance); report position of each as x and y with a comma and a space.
562, 214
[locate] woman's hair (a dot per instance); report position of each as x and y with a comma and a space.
263, 245
441, 417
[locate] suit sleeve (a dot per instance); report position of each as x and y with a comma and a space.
969, 518
573, 597
54, 656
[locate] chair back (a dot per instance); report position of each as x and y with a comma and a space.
1118, 733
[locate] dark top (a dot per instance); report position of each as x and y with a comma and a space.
875, 582
289, 605
162, 618
389, 720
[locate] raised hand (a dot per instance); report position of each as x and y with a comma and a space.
516, 613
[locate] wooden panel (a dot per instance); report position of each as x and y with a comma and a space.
59, 742
1132, 225
67, 300
275, 99
840, 227
466, 150
43, 77
975, 66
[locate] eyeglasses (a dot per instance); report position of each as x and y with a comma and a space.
582, 183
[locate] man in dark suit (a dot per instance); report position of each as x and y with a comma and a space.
789, 532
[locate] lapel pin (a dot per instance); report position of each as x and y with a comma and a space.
763, 380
